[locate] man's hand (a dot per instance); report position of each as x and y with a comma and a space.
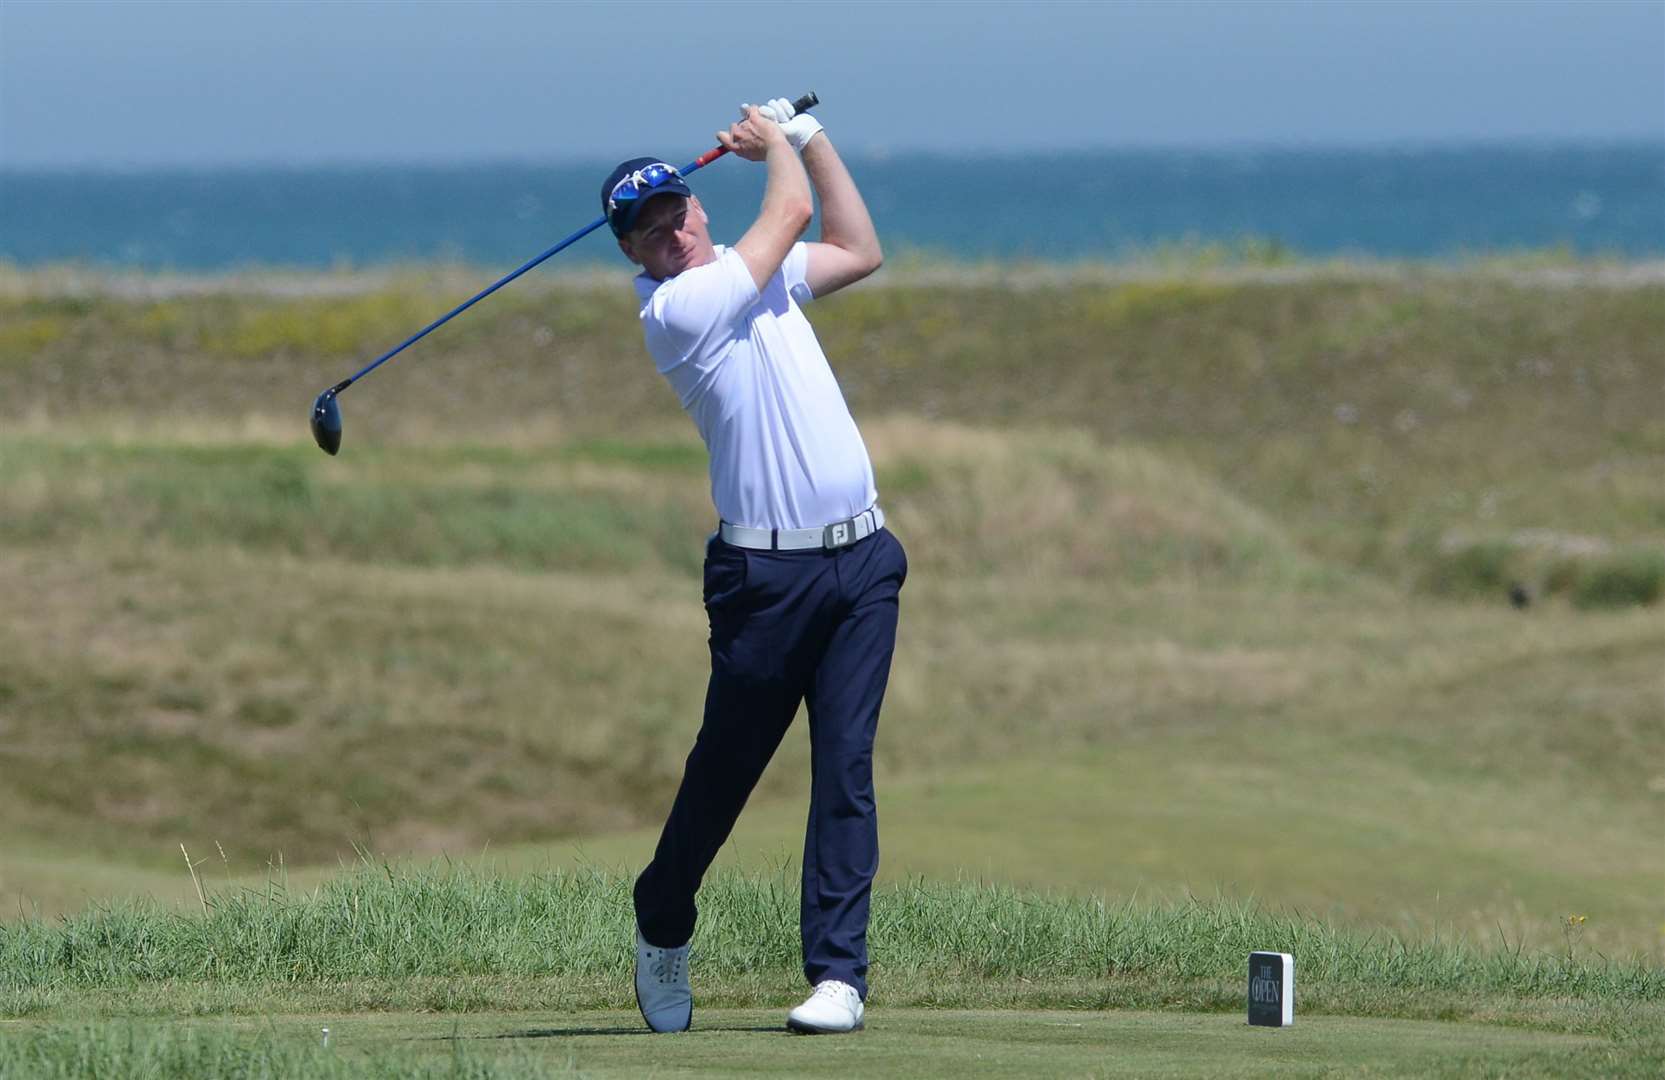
798, 127
753, 136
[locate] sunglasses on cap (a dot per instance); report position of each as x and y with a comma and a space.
644, 179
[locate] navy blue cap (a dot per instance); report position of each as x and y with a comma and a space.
622, 217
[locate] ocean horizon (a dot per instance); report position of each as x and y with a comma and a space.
1436, 201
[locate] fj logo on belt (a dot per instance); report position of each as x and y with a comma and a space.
838, 535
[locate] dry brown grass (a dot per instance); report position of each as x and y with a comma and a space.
1136, 520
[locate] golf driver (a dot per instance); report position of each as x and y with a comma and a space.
326, 410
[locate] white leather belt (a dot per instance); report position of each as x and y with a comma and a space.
838, 534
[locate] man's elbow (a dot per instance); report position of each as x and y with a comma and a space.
875, 258
798, 214
869, 257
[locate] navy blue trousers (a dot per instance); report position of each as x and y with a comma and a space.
788, 627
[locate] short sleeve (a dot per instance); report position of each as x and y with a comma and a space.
796, 270
697, 306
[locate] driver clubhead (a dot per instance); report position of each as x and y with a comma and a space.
326, 422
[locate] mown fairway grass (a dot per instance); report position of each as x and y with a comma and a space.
905, 1043
1208, 599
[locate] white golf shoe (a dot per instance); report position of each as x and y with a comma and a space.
833, 1008
662, 986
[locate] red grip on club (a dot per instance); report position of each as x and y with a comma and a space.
803, 104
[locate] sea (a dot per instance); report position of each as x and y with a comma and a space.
1402, 202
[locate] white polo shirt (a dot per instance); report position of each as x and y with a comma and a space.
785, 452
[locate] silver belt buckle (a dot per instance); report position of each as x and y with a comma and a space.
839, 533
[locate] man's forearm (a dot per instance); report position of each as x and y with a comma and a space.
787, 205
845, 222
786, 187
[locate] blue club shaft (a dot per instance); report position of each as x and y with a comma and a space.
693, 166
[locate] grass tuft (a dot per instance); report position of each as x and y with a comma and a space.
1624, 579
1481, 569
943, 943
187, 1052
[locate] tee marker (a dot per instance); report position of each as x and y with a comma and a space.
1271, 989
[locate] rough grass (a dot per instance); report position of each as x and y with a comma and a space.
1177, 506
1628, 578
373, 954
1372, 417
1209, 599
1046, 505
448, 631
946, 944
463, 668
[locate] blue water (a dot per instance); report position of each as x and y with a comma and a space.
1430, 202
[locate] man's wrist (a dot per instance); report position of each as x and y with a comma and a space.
801, 131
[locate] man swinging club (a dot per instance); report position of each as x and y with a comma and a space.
801, 578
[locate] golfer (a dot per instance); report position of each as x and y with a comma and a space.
801, 577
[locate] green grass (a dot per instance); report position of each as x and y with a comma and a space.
425, 697
459, 941
1206, 647
425, 708
405, 935
899, 1043
937, 943
1361, 413
1630, 578
521, 511
1273, 822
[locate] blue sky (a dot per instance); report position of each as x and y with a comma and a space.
142, 82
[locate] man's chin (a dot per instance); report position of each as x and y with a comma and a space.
672, 269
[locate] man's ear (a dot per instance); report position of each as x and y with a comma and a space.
693, 200
629, 251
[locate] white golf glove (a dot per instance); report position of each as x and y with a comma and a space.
798, 127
